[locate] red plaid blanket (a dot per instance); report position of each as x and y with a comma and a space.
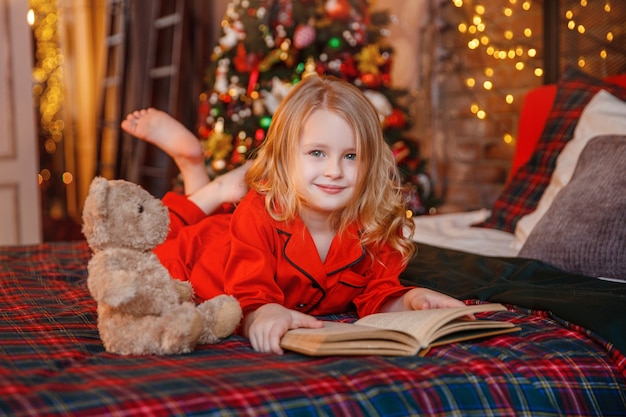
53, 363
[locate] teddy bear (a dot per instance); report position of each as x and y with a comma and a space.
141, 308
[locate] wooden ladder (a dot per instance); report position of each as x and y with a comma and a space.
145, 164
144, 47
112, 89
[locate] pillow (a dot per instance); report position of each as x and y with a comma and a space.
521, 195
532, 119
604, 115
584, 231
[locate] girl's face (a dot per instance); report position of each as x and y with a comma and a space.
328, 162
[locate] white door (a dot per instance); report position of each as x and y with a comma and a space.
20, 210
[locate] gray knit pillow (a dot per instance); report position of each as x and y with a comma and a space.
584, 231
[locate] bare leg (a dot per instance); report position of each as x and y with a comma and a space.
227, 188
162, 130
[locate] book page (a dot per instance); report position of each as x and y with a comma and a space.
361, 347
422, 324
468, 326
337, 338
340, 332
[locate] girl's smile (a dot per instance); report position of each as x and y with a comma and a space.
330, 189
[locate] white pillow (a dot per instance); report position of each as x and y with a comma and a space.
605, 114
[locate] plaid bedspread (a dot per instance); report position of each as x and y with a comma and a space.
53, 363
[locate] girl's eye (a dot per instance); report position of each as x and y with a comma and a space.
316, 153
351, 156
139, 208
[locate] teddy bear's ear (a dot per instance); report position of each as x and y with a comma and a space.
95, 211
98, 192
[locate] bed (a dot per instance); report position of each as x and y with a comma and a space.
568, 358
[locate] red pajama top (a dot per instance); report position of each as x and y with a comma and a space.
260, 260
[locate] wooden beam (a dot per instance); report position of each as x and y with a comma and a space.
551, 41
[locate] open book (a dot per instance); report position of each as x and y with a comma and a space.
397, 334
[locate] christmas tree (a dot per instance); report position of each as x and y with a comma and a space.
267, 46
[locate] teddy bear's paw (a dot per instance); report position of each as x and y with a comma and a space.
228, 316
222, 315
183, 326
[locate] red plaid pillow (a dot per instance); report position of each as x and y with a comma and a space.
521, 195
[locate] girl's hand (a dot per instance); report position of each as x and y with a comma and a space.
421, 299
267, 325
425, 299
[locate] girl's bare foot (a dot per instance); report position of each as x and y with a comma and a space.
162, 130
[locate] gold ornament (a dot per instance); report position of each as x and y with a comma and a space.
309, 68
370, 59
219, 144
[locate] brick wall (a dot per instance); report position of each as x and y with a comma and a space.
470, 157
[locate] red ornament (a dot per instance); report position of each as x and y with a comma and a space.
203, 132
203, 108
395, 119
400, 151
254, 77
225, 98
241, 59
236, 158
337, 9
285, 13
303, 36
386, 79
348, 67
370, 80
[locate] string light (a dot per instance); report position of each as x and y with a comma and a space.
500, 42
582, 30
48, 91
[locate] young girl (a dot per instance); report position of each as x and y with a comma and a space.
321, 230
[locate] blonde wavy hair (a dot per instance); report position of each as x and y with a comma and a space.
378, 205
